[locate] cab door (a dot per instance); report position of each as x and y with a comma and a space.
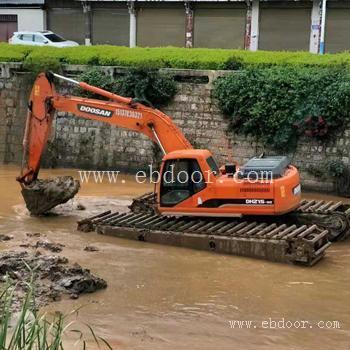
180, 180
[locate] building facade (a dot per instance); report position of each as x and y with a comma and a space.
21, 15
293, 25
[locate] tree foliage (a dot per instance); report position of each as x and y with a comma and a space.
278, 105
145, 85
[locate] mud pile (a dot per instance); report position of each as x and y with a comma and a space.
42, 195
4, 238
53, 276
53, 247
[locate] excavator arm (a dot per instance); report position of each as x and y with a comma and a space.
116, 110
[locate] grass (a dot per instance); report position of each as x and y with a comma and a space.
30, 330
167, 57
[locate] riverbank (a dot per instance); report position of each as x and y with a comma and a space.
161, 297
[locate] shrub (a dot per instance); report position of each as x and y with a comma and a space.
37, 66
96, 77
145, 85
279, 104
328, 169
335, 170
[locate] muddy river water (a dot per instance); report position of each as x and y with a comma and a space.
161, 297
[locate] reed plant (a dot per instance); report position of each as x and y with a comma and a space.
23, 327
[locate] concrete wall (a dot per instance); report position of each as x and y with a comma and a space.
87, 144
28, 19
13, 96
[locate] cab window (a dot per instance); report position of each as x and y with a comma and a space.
213, 166
181, 179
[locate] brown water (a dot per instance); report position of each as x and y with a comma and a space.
161, 297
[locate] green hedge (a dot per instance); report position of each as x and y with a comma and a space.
167, 57
14, 53
277, 105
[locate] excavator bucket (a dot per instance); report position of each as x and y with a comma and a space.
41, 195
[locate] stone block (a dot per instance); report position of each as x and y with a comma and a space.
9, 102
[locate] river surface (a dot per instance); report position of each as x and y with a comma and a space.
161, 297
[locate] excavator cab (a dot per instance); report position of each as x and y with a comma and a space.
182, 178
192, 184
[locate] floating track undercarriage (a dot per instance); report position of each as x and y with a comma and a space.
300, 237
327, 215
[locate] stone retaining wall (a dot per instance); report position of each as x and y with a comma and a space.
87, 144
14, 88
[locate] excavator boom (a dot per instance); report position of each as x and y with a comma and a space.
119, 111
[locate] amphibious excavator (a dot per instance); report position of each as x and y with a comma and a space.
255, 209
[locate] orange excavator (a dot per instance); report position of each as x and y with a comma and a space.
191, 184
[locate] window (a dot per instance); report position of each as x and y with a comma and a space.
27, 37
197, 178
39, 39
54, 38
8, 18
181, 179
213, 166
